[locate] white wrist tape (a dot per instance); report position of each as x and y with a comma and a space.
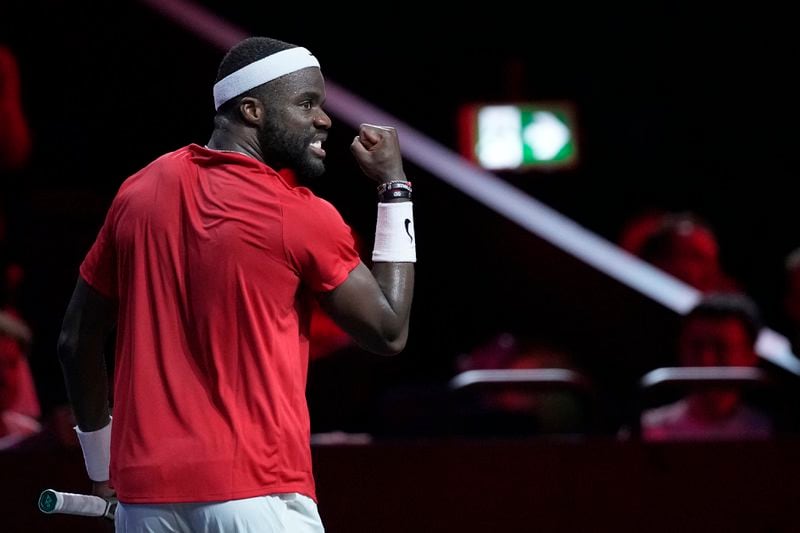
96, 446
394, 234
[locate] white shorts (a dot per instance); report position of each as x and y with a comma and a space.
277, 513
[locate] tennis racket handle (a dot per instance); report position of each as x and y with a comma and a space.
53, 501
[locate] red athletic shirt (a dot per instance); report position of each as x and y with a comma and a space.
213, 258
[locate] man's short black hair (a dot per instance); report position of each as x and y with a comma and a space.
247, 51
730, 305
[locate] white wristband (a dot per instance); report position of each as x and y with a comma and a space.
394, 234
96, 446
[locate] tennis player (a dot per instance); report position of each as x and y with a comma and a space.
206, 266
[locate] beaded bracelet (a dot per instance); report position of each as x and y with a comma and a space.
394, 189
395, 184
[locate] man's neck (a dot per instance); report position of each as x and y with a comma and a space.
225, 143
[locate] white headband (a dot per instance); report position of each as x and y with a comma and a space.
262, 71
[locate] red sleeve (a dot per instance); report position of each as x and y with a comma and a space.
99, 267
319, 244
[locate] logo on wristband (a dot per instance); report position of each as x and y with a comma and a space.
408, 224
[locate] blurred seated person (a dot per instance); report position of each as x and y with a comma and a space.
15, 333
638, 228
14, 425
56, 429
721, 330
15, 138
12, 324
519, 409
57, 432
680, 244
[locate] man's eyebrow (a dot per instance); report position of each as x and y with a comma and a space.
314, 95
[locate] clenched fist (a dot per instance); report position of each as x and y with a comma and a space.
377, 151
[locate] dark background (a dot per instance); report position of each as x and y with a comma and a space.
691, 108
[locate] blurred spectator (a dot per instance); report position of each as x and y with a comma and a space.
521, 409
638, 229
681, 244
15, 139
15, 335
15, 149
57, 432
15, 331
14, 425
721, 330
495, 353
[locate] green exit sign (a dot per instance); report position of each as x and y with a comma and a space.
519, 136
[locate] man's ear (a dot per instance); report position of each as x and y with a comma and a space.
252, 110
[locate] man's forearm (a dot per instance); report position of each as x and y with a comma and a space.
87, 325
396, 281
86, 382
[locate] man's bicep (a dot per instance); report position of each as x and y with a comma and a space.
357, 304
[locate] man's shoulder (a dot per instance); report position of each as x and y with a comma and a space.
181, 156
306, 201
164, 164
305, 213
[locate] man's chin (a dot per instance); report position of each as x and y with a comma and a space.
311, 170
